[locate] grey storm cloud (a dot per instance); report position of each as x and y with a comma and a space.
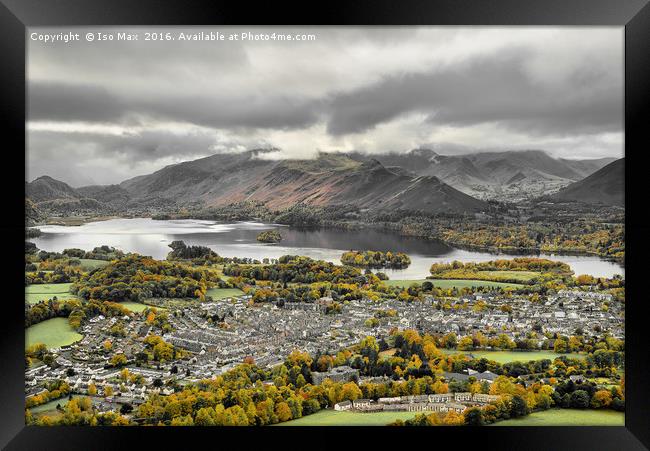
91, 158
104, 111
71, 102
145, 145
497, 89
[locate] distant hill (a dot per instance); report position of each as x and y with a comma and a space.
46, 195
417, 180
46, 188
113, 195
512, 175
605, 186
587, 167
330, 179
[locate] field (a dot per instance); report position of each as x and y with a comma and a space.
220, 293
346, 418
568, 417
387, 353
521, 276
51, 406
36, 293
552, 417
53, 333
90, 264
512, 356
450, 283
135, 306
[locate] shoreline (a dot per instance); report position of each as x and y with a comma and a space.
508, 252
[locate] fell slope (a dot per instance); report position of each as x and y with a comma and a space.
605, 186
330, 179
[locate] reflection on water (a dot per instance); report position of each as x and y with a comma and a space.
149, 237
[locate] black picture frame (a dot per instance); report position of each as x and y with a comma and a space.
634, 15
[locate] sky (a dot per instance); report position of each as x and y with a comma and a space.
103, 111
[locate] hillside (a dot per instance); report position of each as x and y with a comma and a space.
46, 188
605, 186
417, 180
112, 195
508, 175
331, 179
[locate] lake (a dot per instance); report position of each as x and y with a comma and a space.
149, 237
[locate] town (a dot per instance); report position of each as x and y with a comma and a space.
218, 335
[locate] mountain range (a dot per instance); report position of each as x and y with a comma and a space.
510, 175
417, 180
330, 179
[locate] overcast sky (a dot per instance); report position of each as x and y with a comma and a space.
102, 112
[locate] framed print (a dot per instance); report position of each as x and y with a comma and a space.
370, 215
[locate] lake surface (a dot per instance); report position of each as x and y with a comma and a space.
148, 237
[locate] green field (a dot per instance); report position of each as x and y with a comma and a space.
552, 417
138, 307
51, 406
90, 264
450, 283
37, 293
568, 417
346, 418
135, 306
512, 356
220, 293
521, 276
387, 353
53, 333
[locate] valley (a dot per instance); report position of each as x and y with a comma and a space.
411, 288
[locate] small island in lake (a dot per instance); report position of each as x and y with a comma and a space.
376, 259
269, 236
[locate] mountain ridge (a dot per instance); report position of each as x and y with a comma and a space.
605, 186
491, 174
417, 180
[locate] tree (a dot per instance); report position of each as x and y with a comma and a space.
300, 381
92, 389
505, 342
518, 407
351, 391
205, 416
371, 322
579, 399
126, 408
474, 417
449, 341
283, 411
466, 344
560, 345
601, 399
163, 351
118, 360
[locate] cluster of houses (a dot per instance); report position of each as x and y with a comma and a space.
439, 402
221, 334
337, 374
562, 313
